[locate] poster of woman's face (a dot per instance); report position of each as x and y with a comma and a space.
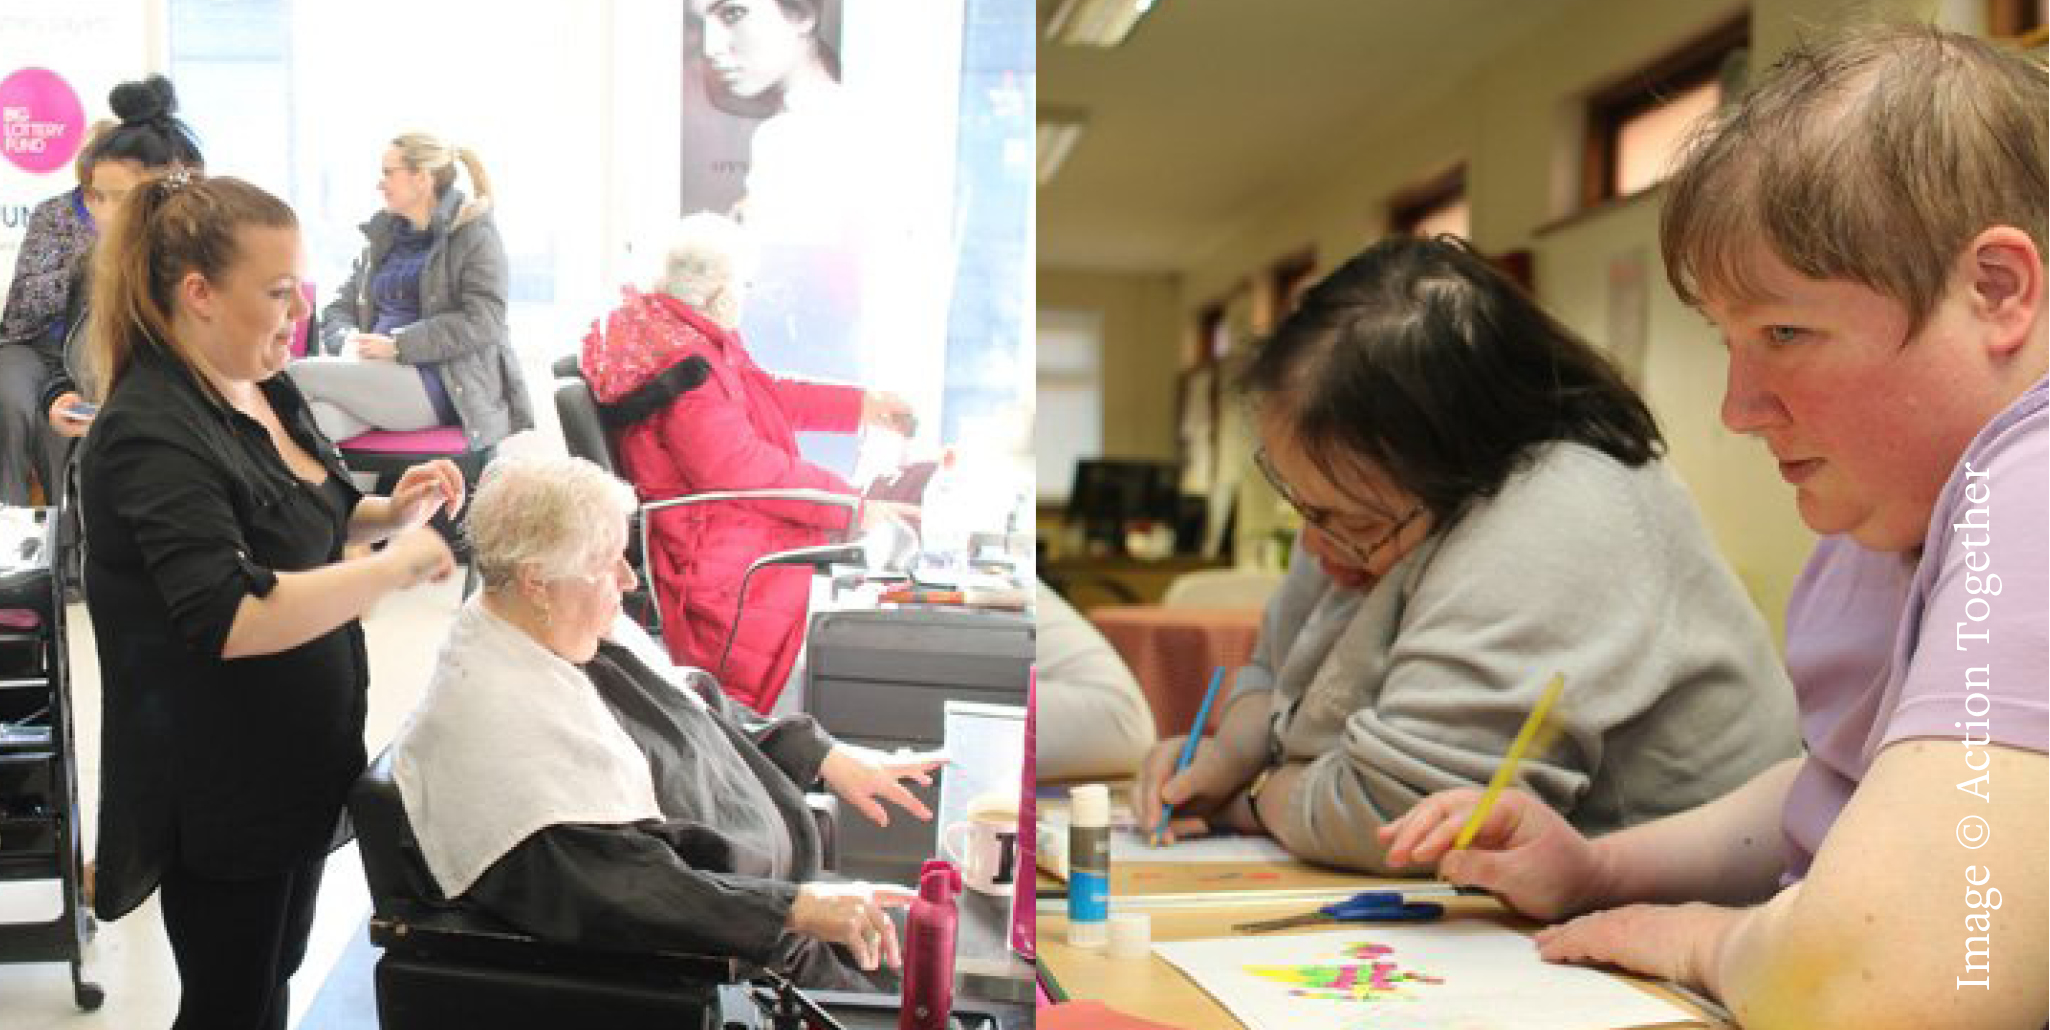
746, 61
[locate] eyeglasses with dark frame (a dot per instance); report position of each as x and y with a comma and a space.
1319, 520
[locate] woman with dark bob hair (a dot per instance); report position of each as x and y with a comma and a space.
1484, 505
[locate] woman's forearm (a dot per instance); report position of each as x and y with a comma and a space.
304, 606
371, 521
1728, 851
1245, 726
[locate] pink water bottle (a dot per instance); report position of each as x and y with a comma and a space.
1024, 891
929, 949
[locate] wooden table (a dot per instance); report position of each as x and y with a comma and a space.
1172, 893
1151, 988
1172, 651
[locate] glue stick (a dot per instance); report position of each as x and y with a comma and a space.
1089, 866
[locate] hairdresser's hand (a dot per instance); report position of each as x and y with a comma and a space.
417, 555
853, 915
861, 776
375, 347
886, 410
64, 424
1217, 775
1525, 852
424, 489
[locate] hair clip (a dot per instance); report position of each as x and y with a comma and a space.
177, 179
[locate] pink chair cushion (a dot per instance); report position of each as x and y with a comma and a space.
438, 440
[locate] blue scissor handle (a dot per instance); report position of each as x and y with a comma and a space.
1382, 907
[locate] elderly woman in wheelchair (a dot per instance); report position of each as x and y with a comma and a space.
560, 775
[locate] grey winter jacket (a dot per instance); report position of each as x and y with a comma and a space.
462, 327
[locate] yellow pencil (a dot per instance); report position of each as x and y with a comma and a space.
1507, 773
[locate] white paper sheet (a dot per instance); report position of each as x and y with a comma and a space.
1455, 975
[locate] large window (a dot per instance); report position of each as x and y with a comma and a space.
576, 112
302, 98
1070, 404
1435, 207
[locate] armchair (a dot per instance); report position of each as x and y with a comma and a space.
585, 436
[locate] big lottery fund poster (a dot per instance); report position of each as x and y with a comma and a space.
58, 61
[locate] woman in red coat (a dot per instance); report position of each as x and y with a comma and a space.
697, 415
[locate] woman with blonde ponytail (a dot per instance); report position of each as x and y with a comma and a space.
417, 335
233, 669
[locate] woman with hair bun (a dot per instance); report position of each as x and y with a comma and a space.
46, 301
418, 332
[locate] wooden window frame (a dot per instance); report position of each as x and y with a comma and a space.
1408, 208
1209, 323
2021, 22
1287, 279
1692, 64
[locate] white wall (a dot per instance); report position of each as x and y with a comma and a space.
94, 45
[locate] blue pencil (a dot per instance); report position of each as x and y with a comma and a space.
1189, 746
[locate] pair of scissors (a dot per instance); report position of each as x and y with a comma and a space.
1364, 907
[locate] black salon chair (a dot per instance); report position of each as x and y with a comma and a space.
585, 435
447, 966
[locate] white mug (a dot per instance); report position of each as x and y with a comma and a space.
985, 844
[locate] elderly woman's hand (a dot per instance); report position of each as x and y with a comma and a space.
424, 488
886, 410
860, 775
852, 914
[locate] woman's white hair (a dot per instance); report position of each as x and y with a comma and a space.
705, 261
547, 513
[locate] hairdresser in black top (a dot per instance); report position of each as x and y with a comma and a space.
232, 663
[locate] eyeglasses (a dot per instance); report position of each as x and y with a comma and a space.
1320, 520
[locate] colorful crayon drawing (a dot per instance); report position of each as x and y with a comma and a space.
1375, 977
1452, 974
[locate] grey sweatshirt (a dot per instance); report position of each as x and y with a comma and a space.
1581, 565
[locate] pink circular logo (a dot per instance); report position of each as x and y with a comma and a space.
42, 123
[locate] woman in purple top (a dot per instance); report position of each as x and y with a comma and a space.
1894, 875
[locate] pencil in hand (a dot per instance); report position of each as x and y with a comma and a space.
1537, 725
1159, 836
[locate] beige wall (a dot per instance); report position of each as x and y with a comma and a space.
1142, 338
1516, 125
